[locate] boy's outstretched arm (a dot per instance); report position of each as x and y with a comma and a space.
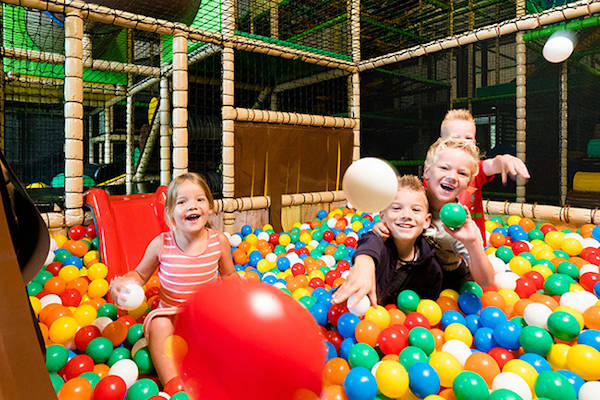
505, 164
361, 282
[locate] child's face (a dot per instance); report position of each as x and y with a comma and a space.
461, 129
449, 174
191, 208
408, 215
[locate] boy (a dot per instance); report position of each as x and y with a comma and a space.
450, 166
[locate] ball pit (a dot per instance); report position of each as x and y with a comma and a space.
534, 333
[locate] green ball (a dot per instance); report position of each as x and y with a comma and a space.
473, 287
340, 254
317, 235
362, 355
321, 248
57, 356
547, 263
411, 355
469, 385
563, 325
325, 269
504, 394
316, 254
180, 396
376, 219
92, 377
557, 284
307, 301
135, 333
536, 340
42, 277
34, 288
100, 349
422, 338
497, 220
120, 353
554, 386
62, 256
57, 382
94, 245
142, 390
568, 268
279, 249
529, 257
294, 236
408, 300
535, 234
561, 254
107, 310
504, 253
143, 360
519, 321
453, 215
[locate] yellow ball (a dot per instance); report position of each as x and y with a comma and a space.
97, 288
89, 257
431, 310
263, 266
284, 239
379, 315
584, 360
305, 237
297, 225
434, 397
63, 329
509, 296
519, 265
446, 365
554, 239
523, 369
576, 287
460, 332
546, 254
542, 269
69, 273
83, 271
571, 246
317, 273
490, 225
536, 242
557, 356
453, 294
300, 293
60, 240
392, 379
356, 226
490, 250
267, 227
513, 220
252, 239
36, 305
97, 271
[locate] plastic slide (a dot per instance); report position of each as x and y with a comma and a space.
125, 225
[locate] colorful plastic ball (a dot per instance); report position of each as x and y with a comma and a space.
379, 315
584, 361
347, 324
431, 310
513, 382
142, 390
392, 340
76, 366
76, 389
450, 317
458, 332
415, 319
469, 303
554, 386
319, 313
408, 301
362, 355
359, 306
111, 387
446, 365
536, 340
470, 386
538, 362
575, 380
501, 355
523, 369
589, 390
590, 337
360, 384
484, 365
56, 357
345, 347
458, 349
63, 329
392, 379
504, 253
504, 394
410, 355
484, 339
99, 349
491, 316
127, 370
143, 361
453, 215
422, 338
120, 353
563, 325
423, 380
506, 334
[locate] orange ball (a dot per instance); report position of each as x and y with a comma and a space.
101, 370
484, 365
239, 256
519, 307
333, 392
447, 394
252, 275
586, 230
338, 282
367, 331
49, 314
335, 371
154, 281
76, 247
527, 224
497, 239
492, 298
116, 332
340, 238
76, 389
55, 285
396, 316
438, 336
329, 250
447, 303
544, 299
80, 284
302, 280
44, 331
591, 317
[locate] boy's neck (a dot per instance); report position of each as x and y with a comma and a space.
406, 249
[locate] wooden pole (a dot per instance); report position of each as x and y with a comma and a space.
228, 118
279, 117
521, 101
2, 82
108, 124
566, 214
73, 94
90, 142
144, 159
129, 121
563, 139
165, 130
180, 102
354, 80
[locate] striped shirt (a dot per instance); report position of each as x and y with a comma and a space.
182, 275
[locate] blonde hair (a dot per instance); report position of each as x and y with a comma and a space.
454, 143
412, 183
173, 189
459, 114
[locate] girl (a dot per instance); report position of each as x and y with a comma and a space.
188, 256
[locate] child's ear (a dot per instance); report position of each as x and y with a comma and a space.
426, 173
427, 222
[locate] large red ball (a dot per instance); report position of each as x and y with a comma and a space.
76, 366
111, 387
77, 232
85, 335
252, 334
90, 231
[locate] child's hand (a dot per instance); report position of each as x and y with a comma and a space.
361, 282
121, 290
468, 233
381, 230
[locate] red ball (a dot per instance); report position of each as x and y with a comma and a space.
316, 283
70, 297
128, 320
54, 267
111, 387
545, 228
153, 291
85, 335
274, 238
271, 343
76, 232
392, 340
335, 338
77, 366
508, 241
501, 355
343, 265
415, 319
350, 242
331, 276
335, 311
90, 231
536, 277
303, 250
525, 287
588, 280
298, 269
519, 247
589, 254
42, 293
328, 236
173, 386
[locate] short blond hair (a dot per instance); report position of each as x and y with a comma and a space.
458, 114
414, 184
454, 143
173, 190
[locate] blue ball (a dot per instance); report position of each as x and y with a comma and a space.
484, 339
519, 235
246, 230
451, 317
367, 225
423, 380
362, 231
283, 263
360, 384
472, 323
73, 260
538, 362
346, 346
469, 303
591, 337
257, 231
238, 267
573, 378
501, 230
347, 324
514, 228
318, 292
60, 250
491, 316
596, 232
507, 334
299, 244
254, 258
597, 289
330, 350
319, 311
322, 214
270, 279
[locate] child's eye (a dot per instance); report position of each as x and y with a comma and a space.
180, 201
201, 199
463, 173
443, 167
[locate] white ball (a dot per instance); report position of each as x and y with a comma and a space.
512, 381
374, 369
290, 246
313, 244
235, 240
458, 349
165, 395
279, 285
102, 322
370, 184
498, 264
329, 260
506, 280
559, 46
576, 236
361, 307
590, 242
49, 257
263, 236
580, 301
353, 235
588, 268
589, 390
305, 227
50, 299
331, 223
53, 245
271, 257
537, 314
126, 369
131, 298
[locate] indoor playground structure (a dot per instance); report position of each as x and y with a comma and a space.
102, 104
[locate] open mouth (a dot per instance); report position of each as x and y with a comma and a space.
193, 217
404, 226
446, 187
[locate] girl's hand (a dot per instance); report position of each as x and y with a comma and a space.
121, 290
381, 230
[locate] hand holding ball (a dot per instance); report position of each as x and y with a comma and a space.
128, 295
370, 184
453, 215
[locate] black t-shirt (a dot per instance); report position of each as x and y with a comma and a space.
423, 275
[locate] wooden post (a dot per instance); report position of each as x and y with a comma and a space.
563, 141
2, 83
274, 18
108, 127
90, 143
354, 79
180, 102
165, 130
73, 93
521, 100
129, 115
228, 89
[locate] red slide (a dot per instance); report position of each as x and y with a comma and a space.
125, 225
